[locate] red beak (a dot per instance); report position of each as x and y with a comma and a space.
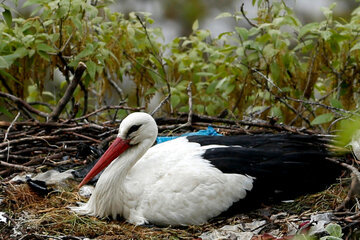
115, 149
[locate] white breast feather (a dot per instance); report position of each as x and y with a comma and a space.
185, 190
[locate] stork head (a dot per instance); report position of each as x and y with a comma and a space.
137, 128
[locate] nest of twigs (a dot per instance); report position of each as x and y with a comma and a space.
44, 217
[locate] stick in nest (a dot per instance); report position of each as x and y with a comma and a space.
6, 135
355, 183
189, 120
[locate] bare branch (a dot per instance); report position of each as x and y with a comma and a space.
189, 122
16, 166
68, 93
22, 105
43, 104
107, 108
161, 104
246, 18
12, 123
113, 84
333, 109
6, 136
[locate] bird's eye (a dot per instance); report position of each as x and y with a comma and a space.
132, 129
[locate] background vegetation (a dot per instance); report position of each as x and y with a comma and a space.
278, 68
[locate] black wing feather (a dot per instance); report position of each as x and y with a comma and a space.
284, 166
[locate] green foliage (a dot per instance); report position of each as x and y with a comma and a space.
264, 67
347, 130
334, 231
323, 118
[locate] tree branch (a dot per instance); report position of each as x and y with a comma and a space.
22, 105
106, 108
16, 166
68, 93
246, 18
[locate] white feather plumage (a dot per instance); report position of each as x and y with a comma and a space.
170, 184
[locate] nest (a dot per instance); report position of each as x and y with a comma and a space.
44, 217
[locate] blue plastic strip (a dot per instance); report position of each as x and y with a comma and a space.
210, 131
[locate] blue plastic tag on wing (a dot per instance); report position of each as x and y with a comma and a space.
210, 131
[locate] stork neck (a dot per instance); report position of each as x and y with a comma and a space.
119, 168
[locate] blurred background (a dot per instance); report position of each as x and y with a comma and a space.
175, 17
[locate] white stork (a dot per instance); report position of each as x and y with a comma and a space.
190, 180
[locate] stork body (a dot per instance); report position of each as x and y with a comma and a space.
190, 180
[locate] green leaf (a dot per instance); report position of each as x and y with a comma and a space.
336, 103
211, 109
276, 112
330, 238
49, 94
45, 48
157, 79
151, 90
334, 230
222, 82
89, 49
44, 55
5, 111
91, 69
33, 2
195, 25
243, 33
323, 118
204, 74
9, 76
328, 12
308, 28
326, 35
335, 47
269, 51
211, 88
19, 53
346, 130
77, 22
7, 17
275, 71
3, 63
36, 10
229, 88
63, 84
223, 15
253, 57
355, 47
175, 100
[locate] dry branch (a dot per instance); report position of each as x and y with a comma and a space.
22, 105
161, 104
107, 108
68, 93
12, 123
16, 166
246, 18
